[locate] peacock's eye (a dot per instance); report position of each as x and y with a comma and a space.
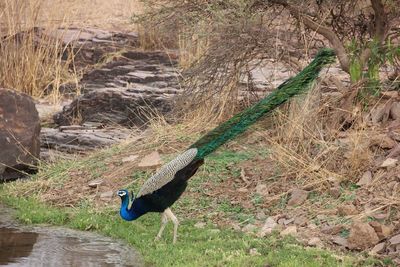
121, 193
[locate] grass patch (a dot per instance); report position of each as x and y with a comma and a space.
197, 247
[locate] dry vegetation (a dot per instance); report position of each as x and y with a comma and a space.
31, 61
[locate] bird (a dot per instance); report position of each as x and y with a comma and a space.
161, 190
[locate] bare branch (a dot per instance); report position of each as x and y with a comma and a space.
321, 29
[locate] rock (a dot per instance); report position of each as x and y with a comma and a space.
332, 230
250, 228
130, 158
243, 190
395, 111
389, 163
362, 236
298, 197
338, 240
200, 225
19, 134
381, 230
365, 179
378, 248
268, 227
95, 183
395, 240
290, 230
129, 91
315, 242
151, 160
288, 221
106, 196
382, 140
300, 221
81, 139
380, 112
254, 252
346, 210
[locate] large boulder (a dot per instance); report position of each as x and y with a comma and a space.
19, 134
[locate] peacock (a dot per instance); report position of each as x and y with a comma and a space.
165, 187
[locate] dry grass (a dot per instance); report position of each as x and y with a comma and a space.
30, 60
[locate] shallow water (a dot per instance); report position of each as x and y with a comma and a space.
42, 246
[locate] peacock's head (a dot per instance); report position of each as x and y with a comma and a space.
124, 194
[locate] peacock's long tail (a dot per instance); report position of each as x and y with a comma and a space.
241, 121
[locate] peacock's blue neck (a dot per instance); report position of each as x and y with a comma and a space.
137, 209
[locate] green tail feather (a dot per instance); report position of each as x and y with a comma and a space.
241, 121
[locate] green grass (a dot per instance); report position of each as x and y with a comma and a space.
195, 247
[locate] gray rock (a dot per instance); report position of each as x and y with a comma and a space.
19, 134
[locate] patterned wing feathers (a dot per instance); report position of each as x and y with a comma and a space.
167, 172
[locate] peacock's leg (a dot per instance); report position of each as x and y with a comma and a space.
164, 221
175, 221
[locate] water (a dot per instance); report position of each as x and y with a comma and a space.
42, 246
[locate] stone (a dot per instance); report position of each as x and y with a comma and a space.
268, 227
365, 179
131, 158
298, 197
95, 183
129, 90
106, 196
378, 248
243, 190
389, 163
395, 240
151, 160
254, 252
200, 225
332, 230
381, 230
382, 140
290, 230
315, 242
338, 240
395, 111
347, 209
362, 236
300, 220
19, 134
81, 139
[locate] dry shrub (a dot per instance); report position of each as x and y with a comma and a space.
30, 61
311, 150
30, 58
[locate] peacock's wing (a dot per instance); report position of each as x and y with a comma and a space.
167, 172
